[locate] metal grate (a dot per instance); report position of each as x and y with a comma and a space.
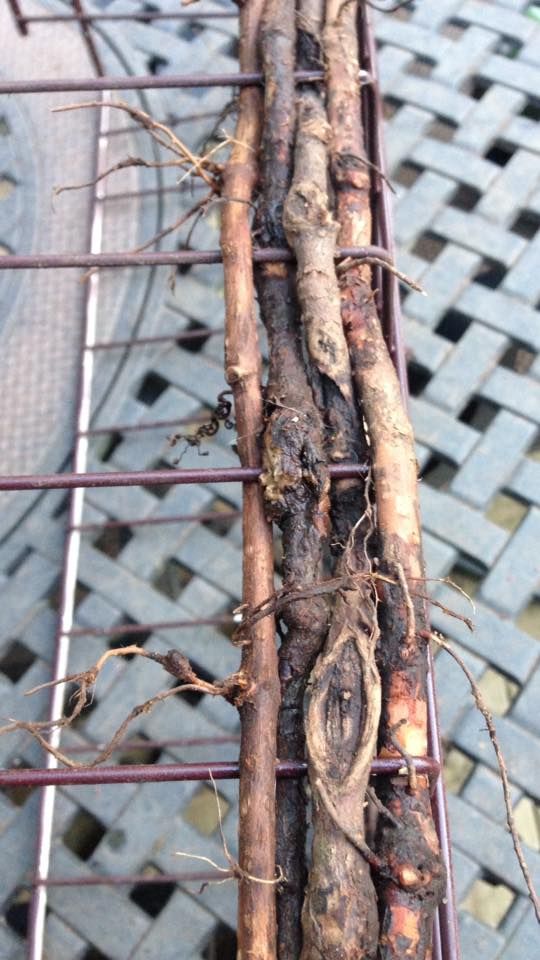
82, 478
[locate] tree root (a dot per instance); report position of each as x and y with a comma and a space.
234, 689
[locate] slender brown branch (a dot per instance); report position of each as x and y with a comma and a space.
160, 132
256, 901
295, 478
407, 906
503, 770
232, 688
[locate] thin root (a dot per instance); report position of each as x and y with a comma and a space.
482, 707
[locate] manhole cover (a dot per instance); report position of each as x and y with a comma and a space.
42, 312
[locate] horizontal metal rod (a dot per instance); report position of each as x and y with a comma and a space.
126, 629
174, 772
134, 879
52, 261
148, 82
180, 337
209, 516
155, 478
144, 16
144, 425
143, 744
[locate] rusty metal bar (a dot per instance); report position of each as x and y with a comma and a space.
148, 82
20, 20
180, 337
88, 39
177, 772
144, 425
127, 745
134, 879
48, 261
145, 16
129, 628
134, 478
209, 516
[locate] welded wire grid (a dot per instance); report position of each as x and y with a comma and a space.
99, 526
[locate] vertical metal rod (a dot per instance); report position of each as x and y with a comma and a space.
86, 31
20, 21
71, 555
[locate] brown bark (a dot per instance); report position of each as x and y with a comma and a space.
295, 480
339, 915
410, 895
257, 918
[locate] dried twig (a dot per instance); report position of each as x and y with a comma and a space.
256, 901
482, 707
233, 688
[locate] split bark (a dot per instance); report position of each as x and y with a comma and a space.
413, 886
295, 478
256, 906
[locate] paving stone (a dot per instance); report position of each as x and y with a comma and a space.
525, 710
180, 835
513, 390
441, 432
524, 133
474, 232
466, 56
526, 481
443, 281
466, 369
420, 204
523, 279
490, 117
525, 940
477, 940
492, 17
166, 937
502, 312
453, 695
495, 639
510, 191
465, 872
484, 791
126, 848
426, 94
67, 944
494, 459
489, 844
434, 16
451, 160
402, 132
518, 745
516, 575
424, 347
86, 914
449, 518
513, 73
413, 37
439, 557
10, 945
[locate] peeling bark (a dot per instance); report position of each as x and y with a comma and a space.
295, 478
256, 900
408, 898
339, 915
